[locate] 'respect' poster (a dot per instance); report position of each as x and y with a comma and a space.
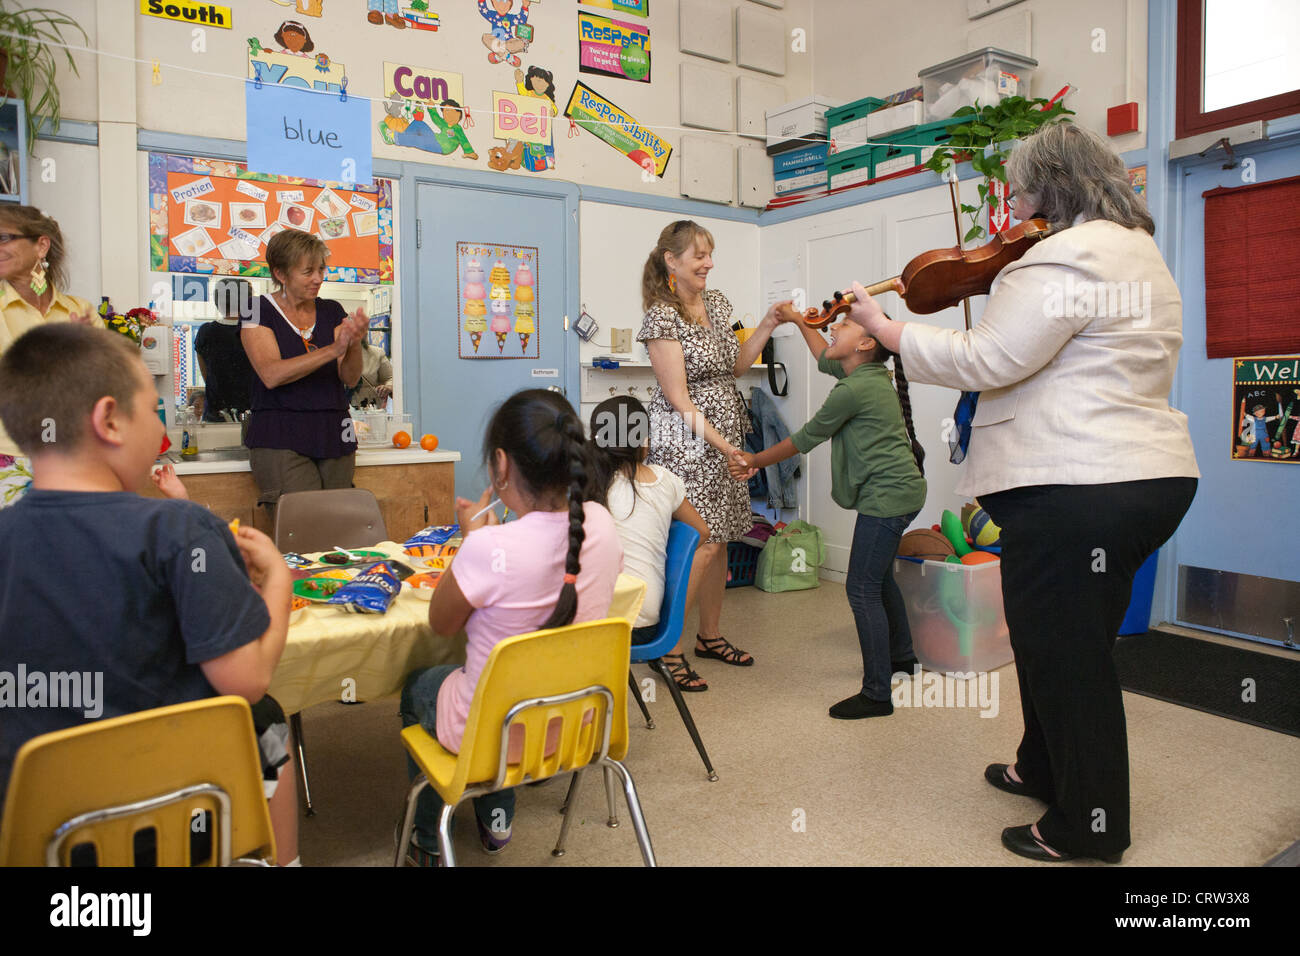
497, 301
1266, 409
609, 47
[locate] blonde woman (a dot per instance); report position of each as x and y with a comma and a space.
31, 275
698, 419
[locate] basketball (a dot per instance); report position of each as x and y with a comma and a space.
924, 543
979, 557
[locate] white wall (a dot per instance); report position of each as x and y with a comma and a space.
876, 48
67, 188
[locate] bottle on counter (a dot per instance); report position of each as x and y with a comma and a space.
190, 431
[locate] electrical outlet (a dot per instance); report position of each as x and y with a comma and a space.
620, 340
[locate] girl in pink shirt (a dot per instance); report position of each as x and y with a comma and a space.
555, 565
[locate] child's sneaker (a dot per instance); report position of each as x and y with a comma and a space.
492, 841
416, 855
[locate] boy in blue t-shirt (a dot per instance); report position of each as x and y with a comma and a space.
112, 603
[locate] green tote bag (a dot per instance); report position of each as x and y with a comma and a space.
791, 558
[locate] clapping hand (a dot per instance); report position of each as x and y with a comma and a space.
82, 318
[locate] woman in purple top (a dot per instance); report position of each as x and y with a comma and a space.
307, 355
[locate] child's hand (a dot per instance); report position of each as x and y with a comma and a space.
261, 557
466, 509
740, 465
165, 480
784, 312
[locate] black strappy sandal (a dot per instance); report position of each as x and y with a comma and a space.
681, 673
720, 649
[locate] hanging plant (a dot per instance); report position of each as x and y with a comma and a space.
985, 134
29, 61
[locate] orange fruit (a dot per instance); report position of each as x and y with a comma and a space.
402, 439
429, 442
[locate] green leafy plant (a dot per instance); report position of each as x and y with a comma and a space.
29, 47
984, 134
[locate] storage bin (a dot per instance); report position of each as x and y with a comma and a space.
801, 159
806, 117
955, 614
847, 124
893, 119
889, 159
742, 564
848, 170
985, 75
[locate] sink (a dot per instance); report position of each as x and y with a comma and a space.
216, 454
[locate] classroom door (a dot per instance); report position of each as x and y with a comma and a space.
458, 394
1235, 551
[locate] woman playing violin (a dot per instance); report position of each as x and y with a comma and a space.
1076, 454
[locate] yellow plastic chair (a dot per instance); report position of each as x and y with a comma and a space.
532, 681
101, 786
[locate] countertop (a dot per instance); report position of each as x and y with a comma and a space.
365, 458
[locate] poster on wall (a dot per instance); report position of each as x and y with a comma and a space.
1137, 178
636, 8
1266, 409
526, 121
613, 48
215, 217
509, 34
602, 118
291, 59
422, 110
498, 295
188, 11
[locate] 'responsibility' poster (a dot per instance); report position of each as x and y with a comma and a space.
1266, 408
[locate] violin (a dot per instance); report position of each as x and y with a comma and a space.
941, 278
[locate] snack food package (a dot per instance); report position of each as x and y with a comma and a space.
435, 541
370, 592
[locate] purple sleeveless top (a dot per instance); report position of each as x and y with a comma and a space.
309, 416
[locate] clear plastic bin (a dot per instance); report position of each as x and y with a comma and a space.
985, 75
955, 614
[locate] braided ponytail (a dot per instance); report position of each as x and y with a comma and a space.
579, 477
905, 402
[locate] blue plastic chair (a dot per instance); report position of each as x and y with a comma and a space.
682, 541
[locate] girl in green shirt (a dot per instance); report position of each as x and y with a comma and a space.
876, 470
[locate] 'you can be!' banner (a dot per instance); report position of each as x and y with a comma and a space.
602, 118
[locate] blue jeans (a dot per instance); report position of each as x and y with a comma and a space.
420, 706
877, 603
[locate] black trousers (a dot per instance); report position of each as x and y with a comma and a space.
1069, 555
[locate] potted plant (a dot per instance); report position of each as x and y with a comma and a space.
29, 59
985, 134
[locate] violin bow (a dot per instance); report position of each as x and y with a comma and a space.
956, 221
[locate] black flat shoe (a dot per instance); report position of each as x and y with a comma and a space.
996, 774
1022, 842
908, 667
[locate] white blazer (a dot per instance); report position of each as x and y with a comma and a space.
1074, 359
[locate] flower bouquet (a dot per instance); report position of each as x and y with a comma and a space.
132, 324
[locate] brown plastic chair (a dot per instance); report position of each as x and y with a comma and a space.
307, 521
132, 790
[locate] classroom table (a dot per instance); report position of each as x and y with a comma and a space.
332, 654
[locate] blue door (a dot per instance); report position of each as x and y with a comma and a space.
458, 395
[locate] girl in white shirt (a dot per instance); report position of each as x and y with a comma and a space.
644, 500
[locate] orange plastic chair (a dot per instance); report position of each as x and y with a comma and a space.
534, 681
96, 790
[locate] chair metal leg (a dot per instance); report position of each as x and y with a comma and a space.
609, 798
569, 800
296, 723
444, 835
408, 820
686, 718
634, 809
636, 694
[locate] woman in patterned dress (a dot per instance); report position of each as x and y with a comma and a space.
698, 418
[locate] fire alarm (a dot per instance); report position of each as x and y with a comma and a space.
1122, 119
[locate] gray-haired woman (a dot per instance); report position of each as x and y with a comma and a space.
1076, 454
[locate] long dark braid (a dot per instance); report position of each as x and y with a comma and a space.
579, 477
541, 433
905, 402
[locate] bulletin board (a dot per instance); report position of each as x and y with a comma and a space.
1266, 409
215, 217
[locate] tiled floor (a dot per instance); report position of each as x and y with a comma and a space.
798, 788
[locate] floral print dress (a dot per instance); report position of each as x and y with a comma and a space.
710, 356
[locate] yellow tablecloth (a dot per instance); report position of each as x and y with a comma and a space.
333, 655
